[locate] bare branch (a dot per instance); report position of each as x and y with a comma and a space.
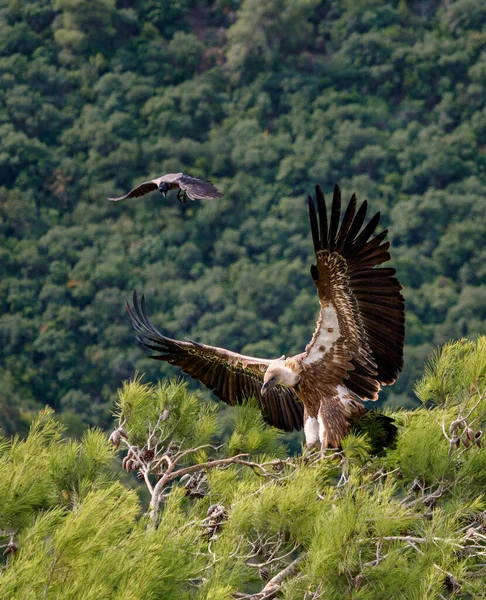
274, 585
170, 475
182, 455
273, 559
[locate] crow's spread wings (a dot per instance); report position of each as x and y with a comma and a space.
231, 376
193, 187
198, 188
140, 190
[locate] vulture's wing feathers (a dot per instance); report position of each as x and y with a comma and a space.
198, 188
231, 376
361, 324
140, 190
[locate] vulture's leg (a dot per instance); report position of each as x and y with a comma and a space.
180, 196
323, 437
311, 430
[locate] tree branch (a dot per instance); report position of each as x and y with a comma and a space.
275, 584
170, 475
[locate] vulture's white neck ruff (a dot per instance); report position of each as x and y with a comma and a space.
283, 374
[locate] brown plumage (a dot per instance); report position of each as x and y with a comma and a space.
357, 345
231, 376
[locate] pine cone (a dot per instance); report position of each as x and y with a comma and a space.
140, 475
218, 512
451, 584
264, 573
148, 455
197, 486
127, 464
132, 452
454, 426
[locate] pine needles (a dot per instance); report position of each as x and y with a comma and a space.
242, 520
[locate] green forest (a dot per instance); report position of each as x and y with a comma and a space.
266, 99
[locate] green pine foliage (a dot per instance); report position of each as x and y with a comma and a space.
409, 523
249, 433
265, 98
180, 415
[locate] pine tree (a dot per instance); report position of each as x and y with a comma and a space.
242, 519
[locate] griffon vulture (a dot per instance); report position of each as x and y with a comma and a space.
188, 187
357, 345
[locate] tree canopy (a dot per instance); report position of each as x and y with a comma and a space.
240, 520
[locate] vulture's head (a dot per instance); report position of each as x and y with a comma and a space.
278, 374
164, 187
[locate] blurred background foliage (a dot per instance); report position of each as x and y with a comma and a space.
266, 99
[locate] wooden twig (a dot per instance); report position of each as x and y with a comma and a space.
170, 475
274, 585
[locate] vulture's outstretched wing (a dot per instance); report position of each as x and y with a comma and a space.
362, 316
140, 190
197, 188
231, 376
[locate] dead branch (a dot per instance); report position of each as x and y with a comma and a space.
460, 430
170, 475
275, 584
428, 499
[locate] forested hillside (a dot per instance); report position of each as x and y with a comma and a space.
265, 99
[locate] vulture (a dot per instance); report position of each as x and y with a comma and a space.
356, 348
186, 186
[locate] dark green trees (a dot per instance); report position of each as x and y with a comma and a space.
266, 99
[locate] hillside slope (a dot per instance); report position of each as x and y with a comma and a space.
266, 99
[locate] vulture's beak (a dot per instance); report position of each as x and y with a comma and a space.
265, 388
